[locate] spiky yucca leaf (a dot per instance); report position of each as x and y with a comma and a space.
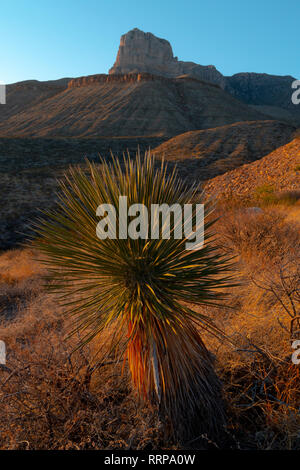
140, 287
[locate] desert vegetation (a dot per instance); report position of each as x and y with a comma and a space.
139, 285
56, 397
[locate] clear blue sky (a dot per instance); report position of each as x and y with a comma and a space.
49, 39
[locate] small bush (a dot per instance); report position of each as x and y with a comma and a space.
265, 236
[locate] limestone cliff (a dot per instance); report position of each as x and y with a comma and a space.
144, 52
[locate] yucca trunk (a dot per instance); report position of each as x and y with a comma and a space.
173, 369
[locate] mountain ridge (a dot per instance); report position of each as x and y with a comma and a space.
186, 99
204, 154
127, 105
144, 52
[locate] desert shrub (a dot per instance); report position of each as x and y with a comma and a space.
50, 399
264, 402
140, 288
260, 381
282, 282
50, 396
263, 235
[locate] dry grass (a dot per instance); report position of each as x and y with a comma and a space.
260, 381
255, 233
52, 398
18, 265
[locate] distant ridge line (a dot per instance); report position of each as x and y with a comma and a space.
130, 78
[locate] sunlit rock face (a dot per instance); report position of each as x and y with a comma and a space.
144, 52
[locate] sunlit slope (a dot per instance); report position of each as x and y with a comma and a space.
129, 105
279, 170
207, 153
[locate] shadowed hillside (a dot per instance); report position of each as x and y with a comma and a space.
269, 94
22, 96
207, 153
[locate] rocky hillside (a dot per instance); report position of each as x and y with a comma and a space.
127, 105
22, 96
210, 152
279, 170
269, 94
144, 52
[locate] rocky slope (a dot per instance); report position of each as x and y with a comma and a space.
207, 153
128, 105
280, 170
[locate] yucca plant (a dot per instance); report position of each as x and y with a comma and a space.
142, 289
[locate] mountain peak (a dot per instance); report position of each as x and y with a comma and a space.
144, 52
